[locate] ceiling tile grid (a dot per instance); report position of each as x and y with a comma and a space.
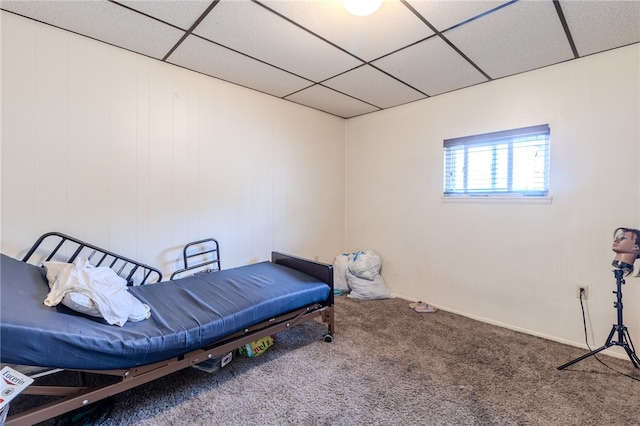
208, 58
392, 27
597, 26
519, 37
104, 21
314, 53
432, 67
268, 37
182, 14
373, 86
444, 14
328, 100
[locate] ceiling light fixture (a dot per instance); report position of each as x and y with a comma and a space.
362, 7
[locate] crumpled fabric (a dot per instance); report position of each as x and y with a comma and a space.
95, 291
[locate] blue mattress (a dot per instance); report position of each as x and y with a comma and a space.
186, 314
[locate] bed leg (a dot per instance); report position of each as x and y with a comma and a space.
329, 318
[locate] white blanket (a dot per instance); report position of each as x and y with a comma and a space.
95, 291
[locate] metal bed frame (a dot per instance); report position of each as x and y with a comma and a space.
67, 249
206, 251
70, 398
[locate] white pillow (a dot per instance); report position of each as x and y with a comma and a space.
82, 303
53, 269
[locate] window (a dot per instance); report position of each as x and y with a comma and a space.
508, 163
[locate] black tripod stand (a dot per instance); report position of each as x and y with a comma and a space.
624, 339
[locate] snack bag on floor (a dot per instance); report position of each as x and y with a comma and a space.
256, 348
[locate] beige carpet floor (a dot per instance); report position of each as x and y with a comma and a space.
390, 365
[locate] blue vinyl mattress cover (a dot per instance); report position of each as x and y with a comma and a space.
186, 314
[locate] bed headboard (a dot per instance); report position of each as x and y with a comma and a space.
63, 248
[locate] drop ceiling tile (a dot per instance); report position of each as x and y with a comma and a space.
520, 37
366, 37
182, 14
446, 14
325, 99
208, 58
601, 25
249, 28
432, 67
104, 21
501, 37
373, 86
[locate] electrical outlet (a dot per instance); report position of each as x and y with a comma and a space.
585, 291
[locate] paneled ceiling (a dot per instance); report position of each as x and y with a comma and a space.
314, 53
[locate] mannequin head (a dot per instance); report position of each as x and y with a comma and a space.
626, 245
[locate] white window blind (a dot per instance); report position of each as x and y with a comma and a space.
507, 163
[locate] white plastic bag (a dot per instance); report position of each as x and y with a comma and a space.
340, 272
359, 274
367, 289
365, 264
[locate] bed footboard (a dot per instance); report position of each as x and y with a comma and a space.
319, 270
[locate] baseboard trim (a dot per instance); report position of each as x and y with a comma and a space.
613, 351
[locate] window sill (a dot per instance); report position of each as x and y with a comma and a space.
496, 200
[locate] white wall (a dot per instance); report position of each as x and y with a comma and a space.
141, 157
512, 264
